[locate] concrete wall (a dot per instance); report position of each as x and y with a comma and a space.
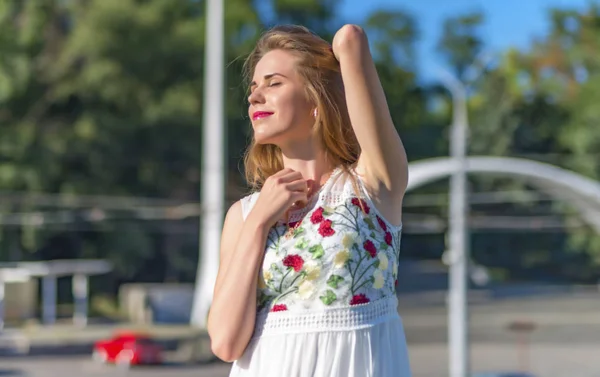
156, 303
20, 300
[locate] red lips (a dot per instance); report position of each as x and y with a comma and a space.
260, 115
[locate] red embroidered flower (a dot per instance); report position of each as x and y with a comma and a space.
360, 203
370, 248
382, 224
279, 308
359, 299
294, 261
388, 238
317, 216
293, 224
325, 229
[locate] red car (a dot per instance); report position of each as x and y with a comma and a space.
128, 348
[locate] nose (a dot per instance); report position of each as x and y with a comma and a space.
256, 97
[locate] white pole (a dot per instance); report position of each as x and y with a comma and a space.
458, 237
213, 162
49, 299
2, 292
80, 298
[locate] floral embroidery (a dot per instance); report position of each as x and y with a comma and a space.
370, 248
279, 308
361, 203
382, 224
317, 216
325, 229
388, 238
359, 299
334, 256
294, 261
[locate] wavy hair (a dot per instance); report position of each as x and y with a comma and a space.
321, 73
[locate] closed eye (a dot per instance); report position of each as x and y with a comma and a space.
274, 84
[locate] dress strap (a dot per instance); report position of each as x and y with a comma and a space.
248, 203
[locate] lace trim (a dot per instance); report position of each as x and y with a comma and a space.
335, 319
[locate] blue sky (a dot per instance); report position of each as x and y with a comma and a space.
509, 23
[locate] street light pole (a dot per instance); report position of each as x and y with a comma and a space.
458, 235
213, 163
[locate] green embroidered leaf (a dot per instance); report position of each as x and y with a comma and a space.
372, 234
369, 222
301, 244
317, 251
327, 211
383, 246
329, 297
298, 231
334, 280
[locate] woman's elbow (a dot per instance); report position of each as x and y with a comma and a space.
224, 350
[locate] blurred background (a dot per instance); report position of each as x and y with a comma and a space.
101, 127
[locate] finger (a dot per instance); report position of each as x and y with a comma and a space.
283, 172
299, 185
299, 197
290, 177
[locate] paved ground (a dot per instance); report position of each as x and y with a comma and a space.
83, 367
427, 361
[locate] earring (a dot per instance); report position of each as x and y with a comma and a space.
315, 113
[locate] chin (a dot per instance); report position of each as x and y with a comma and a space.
266, 137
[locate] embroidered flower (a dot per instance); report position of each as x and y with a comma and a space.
306, 290
349, 240
267, 275
325, 229
382, 224
383, 261
359, 299
362, 204
388, 238
317, 216
279, 308
340, 259
378, 279
313, 271
294, 261
369, 246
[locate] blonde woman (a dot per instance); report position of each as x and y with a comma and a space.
309, 261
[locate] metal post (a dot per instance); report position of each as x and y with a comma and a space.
49, 299
213, 163
458, 238
2, 292
80, 299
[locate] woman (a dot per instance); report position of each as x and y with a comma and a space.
306, 284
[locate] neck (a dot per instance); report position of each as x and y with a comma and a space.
309, 160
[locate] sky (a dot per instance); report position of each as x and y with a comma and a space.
508, 23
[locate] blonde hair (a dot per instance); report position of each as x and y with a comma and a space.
320, 70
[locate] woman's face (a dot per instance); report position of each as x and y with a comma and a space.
279, 109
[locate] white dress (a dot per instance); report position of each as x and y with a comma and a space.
327, 305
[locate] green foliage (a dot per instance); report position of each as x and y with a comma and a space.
104, 97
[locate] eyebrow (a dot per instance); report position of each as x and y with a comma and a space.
267, 77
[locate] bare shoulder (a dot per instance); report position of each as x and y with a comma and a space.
235, 215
